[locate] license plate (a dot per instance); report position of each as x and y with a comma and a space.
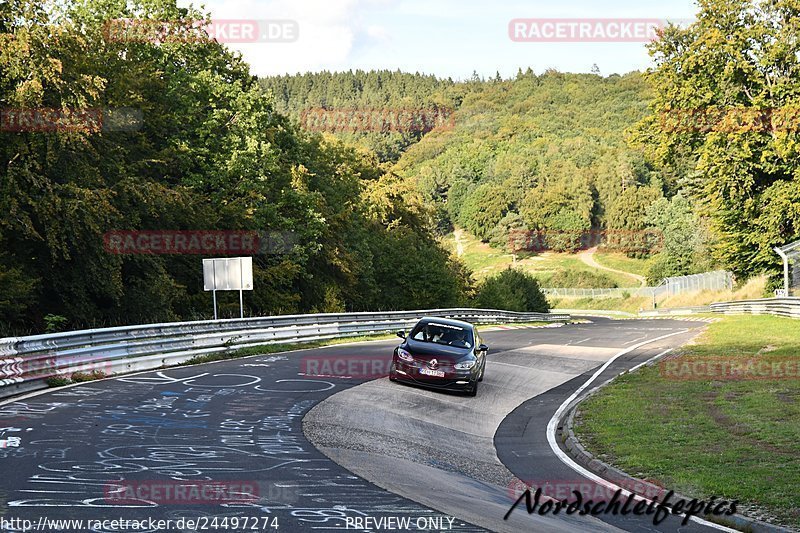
433, 373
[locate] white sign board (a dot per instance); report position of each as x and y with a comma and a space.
228, 274
780, 293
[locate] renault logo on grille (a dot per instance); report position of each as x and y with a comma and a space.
433, 364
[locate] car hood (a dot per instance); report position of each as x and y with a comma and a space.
427, 350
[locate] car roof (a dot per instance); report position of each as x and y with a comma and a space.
446, 321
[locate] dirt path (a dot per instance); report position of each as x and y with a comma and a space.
587, 257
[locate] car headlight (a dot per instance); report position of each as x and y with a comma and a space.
466, 365
404, 355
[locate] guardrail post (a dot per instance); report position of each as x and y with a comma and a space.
785, 270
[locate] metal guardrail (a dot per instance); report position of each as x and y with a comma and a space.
666, 311
669, 311
26, 363
789, 307
594, 312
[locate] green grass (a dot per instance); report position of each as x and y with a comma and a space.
579, 279
631, 305
485, 261
730, 439
623, 262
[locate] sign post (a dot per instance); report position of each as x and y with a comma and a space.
228, 274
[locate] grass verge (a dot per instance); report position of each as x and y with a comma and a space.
632, 304
734, 439
754, 288
621, 261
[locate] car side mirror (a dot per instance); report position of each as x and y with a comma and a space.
483, 348
401, 334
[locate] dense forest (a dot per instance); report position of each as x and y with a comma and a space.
212, 153
736, 74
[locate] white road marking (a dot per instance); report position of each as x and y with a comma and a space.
634, 340
567, 460
498, 363
640, 365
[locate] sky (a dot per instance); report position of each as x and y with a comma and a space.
448, 38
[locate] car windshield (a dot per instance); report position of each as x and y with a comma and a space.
445, 334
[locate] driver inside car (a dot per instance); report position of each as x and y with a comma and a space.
461, 340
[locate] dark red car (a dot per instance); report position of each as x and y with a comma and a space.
442, 354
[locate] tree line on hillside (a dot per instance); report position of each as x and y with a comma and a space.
537, 153
359, 91
548, 155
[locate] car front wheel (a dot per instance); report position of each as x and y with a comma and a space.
474, 390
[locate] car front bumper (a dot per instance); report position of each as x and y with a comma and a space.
453, 380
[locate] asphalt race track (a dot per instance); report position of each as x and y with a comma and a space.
461, 455
441, 461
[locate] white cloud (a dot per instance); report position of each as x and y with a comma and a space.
329, 30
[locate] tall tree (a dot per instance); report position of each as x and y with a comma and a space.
724, 88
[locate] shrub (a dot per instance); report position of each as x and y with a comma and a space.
80, 377
512, 290
54, 323
57, 382
98, 374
